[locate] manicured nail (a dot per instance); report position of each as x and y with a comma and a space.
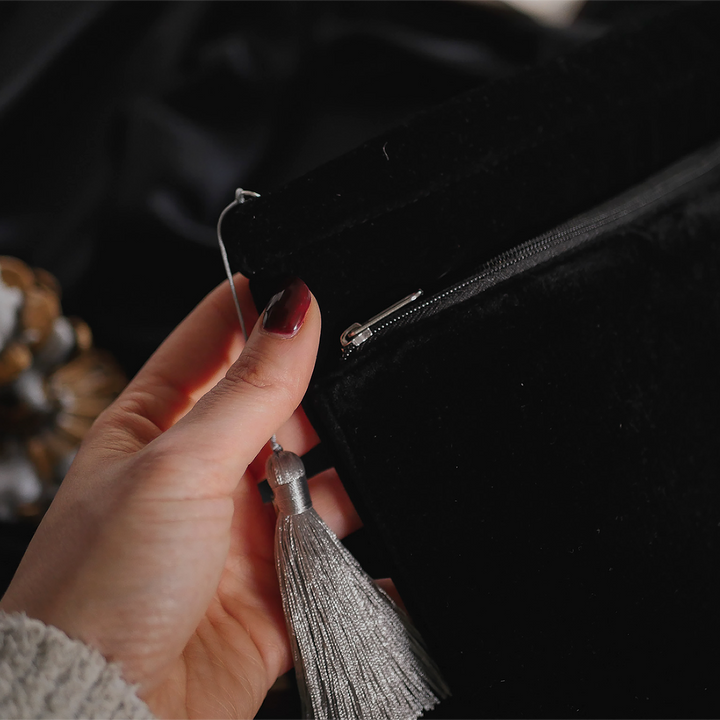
287, 309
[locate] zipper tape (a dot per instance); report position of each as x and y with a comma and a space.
659, 191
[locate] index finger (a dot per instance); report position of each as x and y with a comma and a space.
191, 360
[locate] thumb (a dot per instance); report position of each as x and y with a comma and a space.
229, 425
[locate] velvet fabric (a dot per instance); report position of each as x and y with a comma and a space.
125, 127
537, 468
540, 467
469, 178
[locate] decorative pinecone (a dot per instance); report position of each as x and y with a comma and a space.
53, 384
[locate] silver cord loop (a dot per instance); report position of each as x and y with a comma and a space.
240, 197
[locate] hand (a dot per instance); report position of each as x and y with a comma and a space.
157, 549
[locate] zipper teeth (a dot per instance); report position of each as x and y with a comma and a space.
570, 230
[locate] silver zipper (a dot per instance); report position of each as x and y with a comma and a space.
358, 333
661, 188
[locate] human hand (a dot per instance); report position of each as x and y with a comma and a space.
157, 549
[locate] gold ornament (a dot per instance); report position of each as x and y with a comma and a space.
53, 384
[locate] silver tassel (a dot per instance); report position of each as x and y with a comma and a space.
355, 651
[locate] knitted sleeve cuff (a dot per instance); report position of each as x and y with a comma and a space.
45, 674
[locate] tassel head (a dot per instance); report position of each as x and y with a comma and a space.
286, 476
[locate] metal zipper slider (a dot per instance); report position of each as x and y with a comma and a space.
357, 334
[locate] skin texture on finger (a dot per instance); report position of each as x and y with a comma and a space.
230, 425
329, 496
297, 435
191, 360
136, 545
389, 587
333, 503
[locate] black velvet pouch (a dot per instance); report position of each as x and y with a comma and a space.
533, 444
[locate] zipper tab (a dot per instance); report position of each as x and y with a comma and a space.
358, 333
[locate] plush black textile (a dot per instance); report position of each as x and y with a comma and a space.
537, 469
491, 168
541, 468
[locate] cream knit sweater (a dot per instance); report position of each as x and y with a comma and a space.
45, 674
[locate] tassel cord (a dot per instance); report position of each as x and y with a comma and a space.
356, 654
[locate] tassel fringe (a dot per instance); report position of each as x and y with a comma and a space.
356, 652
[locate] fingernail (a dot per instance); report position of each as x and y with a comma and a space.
287, 309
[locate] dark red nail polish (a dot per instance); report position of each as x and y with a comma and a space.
287, 309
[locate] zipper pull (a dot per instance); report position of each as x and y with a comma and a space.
357, 334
